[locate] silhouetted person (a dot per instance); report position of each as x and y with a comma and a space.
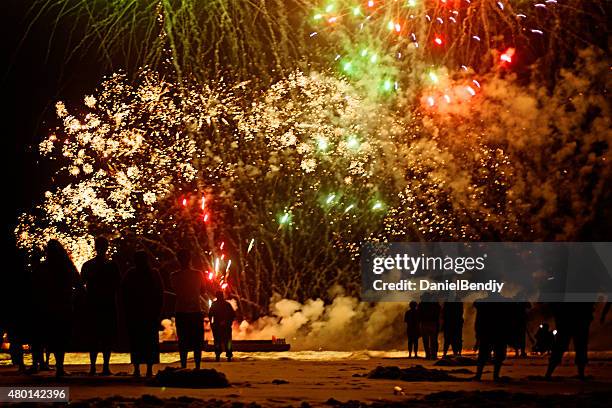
572, 321
518, 327
429, 318
142, 296
188, 284
221, 315
55, 283
102, 279
452, 327
492, 332
544, 339
413, 330
16, 304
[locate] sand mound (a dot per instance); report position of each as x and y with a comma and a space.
456, 362
414, 373
184, 378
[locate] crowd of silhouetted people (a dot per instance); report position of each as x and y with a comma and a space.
59, 295
500, 324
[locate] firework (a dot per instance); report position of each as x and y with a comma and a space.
275, 188
192, 38
269, 39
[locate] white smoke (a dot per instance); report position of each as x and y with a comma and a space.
169, 330
345, 324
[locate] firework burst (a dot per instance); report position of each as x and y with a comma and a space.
398, 142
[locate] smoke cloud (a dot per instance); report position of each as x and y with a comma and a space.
347, 324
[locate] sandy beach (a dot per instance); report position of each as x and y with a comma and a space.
327, 378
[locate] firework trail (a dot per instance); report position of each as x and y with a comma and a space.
201, 39
270, 38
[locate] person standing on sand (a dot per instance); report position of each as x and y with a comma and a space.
221, 315
452, 327
411, 319
16, 309
429, 318
188, 284
55, 283
572, 321
544, 340
142, 295
518, 324
101, 277
492, 333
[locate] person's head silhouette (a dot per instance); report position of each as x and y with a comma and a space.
58, 260
101, 245
56, 254
219, 295
54, 250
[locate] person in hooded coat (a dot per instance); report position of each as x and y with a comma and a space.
142, 297
221, 315
55, 285
101, 278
